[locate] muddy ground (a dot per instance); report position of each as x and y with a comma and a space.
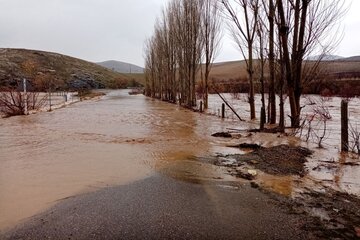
282, 159
331, 214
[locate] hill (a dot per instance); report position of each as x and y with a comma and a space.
325, 58
121, 67
237, 69
352, 59
64, 72
335, 76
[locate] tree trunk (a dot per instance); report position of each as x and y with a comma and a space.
206, 97
284, 29
251, 82
272, 97
299, 60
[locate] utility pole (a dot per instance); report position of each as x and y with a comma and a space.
50, 95
25, 98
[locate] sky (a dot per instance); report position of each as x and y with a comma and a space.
100, 30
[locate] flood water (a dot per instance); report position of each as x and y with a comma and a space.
50, 156
119, 139
327, 165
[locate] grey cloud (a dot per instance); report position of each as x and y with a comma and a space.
98, 30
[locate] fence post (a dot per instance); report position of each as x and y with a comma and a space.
344, 126
223, 110
262, 118
201, 106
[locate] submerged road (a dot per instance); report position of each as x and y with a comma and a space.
127, 167
164, 208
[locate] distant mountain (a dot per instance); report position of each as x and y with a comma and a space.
66, 72
325, 58
351, 59
121, 67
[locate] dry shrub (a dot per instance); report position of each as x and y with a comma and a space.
354, 144
12, 102
314, 125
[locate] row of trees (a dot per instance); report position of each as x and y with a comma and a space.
273, 36
187, 34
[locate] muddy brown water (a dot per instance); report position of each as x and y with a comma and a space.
119, 139
327, 165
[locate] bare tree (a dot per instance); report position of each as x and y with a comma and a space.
243, 21
272, 96
260, 49
211, 34
303, 27
173, 54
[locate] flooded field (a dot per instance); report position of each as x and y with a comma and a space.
120, 139
327, 165
310, 103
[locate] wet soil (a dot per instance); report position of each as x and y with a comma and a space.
278, 160
335, 214
330, 214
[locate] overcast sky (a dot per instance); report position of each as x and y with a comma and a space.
99, 30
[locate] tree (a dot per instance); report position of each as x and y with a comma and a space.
243, 22
261, 33
272, 96
303, 26
173, 54
211, 34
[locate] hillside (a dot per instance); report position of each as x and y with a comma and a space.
336, 76
121, 67
352, 59
237, 69
64, 72
325, 58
